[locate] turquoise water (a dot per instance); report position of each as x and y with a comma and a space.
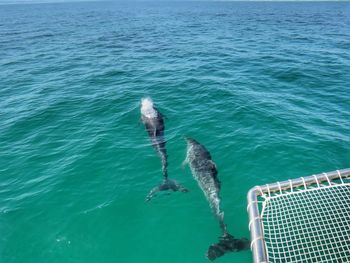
264, 86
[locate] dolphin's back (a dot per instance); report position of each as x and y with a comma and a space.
203, 167
154, 126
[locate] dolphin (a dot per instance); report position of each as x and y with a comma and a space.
205, 172
154, 124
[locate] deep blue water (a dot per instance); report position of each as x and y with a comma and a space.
263, 85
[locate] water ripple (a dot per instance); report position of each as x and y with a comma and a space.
262, 85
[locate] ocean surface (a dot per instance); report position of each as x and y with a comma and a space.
264, 86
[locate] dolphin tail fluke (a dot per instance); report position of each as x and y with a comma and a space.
226, 244
167, 184
152, 193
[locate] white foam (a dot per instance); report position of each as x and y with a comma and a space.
147, 108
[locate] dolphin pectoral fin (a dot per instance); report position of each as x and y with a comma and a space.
213, 164
226, 244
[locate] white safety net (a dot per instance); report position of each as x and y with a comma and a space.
310, 225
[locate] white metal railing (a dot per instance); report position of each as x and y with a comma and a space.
284, 219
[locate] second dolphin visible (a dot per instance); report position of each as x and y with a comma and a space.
154, 124
204, 171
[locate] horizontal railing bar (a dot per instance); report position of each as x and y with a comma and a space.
308, 180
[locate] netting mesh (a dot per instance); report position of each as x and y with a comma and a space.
312, 225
